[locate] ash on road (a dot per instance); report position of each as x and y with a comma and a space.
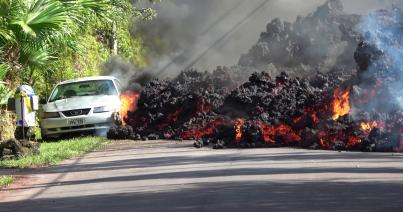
169, 176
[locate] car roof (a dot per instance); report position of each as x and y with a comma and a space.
88, 79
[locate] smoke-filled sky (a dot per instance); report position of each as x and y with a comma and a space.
207, 33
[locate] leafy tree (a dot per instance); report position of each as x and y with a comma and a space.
29, 29
46, 41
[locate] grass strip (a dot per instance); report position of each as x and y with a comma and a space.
52, 153
6, 181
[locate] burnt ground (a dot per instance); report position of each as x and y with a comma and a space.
169, 176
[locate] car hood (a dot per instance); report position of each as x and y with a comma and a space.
82, 102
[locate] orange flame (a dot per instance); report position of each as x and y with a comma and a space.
238, 129
368, 126
341, 103
129, 102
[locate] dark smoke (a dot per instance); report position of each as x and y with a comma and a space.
130, 76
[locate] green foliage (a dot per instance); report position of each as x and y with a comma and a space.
6, 181
5, 94
3, 71
47, 41
41, 20
56, 152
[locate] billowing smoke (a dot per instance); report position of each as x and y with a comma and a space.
131, 77
205, 34
209, 33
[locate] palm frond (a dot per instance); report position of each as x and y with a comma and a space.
34, 56
4, 68
6, 35
4, 7
79, 10
43, 17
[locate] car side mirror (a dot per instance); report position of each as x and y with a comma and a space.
42, 101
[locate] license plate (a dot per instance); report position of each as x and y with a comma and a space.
76, 122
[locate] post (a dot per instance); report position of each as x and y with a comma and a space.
114, 38
22, 117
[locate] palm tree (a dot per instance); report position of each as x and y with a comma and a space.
28, 29
31, 31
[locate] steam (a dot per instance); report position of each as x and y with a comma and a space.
383, 31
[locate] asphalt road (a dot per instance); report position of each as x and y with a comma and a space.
168, 176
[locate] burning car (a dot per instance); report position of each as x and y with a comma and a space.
81, 105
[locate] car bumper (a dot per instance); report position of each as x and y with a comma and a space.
58, 126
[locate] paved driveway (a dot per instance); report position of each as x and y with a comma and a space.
163, 176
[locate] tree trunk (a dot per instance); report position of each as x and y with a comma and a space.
114, 39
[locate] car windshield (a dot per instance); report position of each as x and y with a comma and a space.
86, 88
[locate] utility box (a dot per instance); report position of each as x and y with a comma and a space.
26, 105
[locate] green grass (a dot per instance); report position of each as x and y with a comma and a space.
52, 153
6, 181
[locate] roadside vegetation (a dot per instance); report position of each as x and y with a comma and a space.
6, 181
52, 153
43, 42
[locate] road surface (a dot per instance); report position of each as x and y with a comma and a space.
169, 176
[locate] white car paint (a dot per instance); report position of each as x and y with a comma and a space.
71, 120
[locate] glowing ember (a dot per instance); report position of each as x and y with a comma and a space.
311, 113
368, 126
238, 129
129, 101
172, 118
341, 103
200, 131
353, 141
283, 131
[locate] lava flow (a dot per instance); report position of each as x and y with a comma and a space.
357, 110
